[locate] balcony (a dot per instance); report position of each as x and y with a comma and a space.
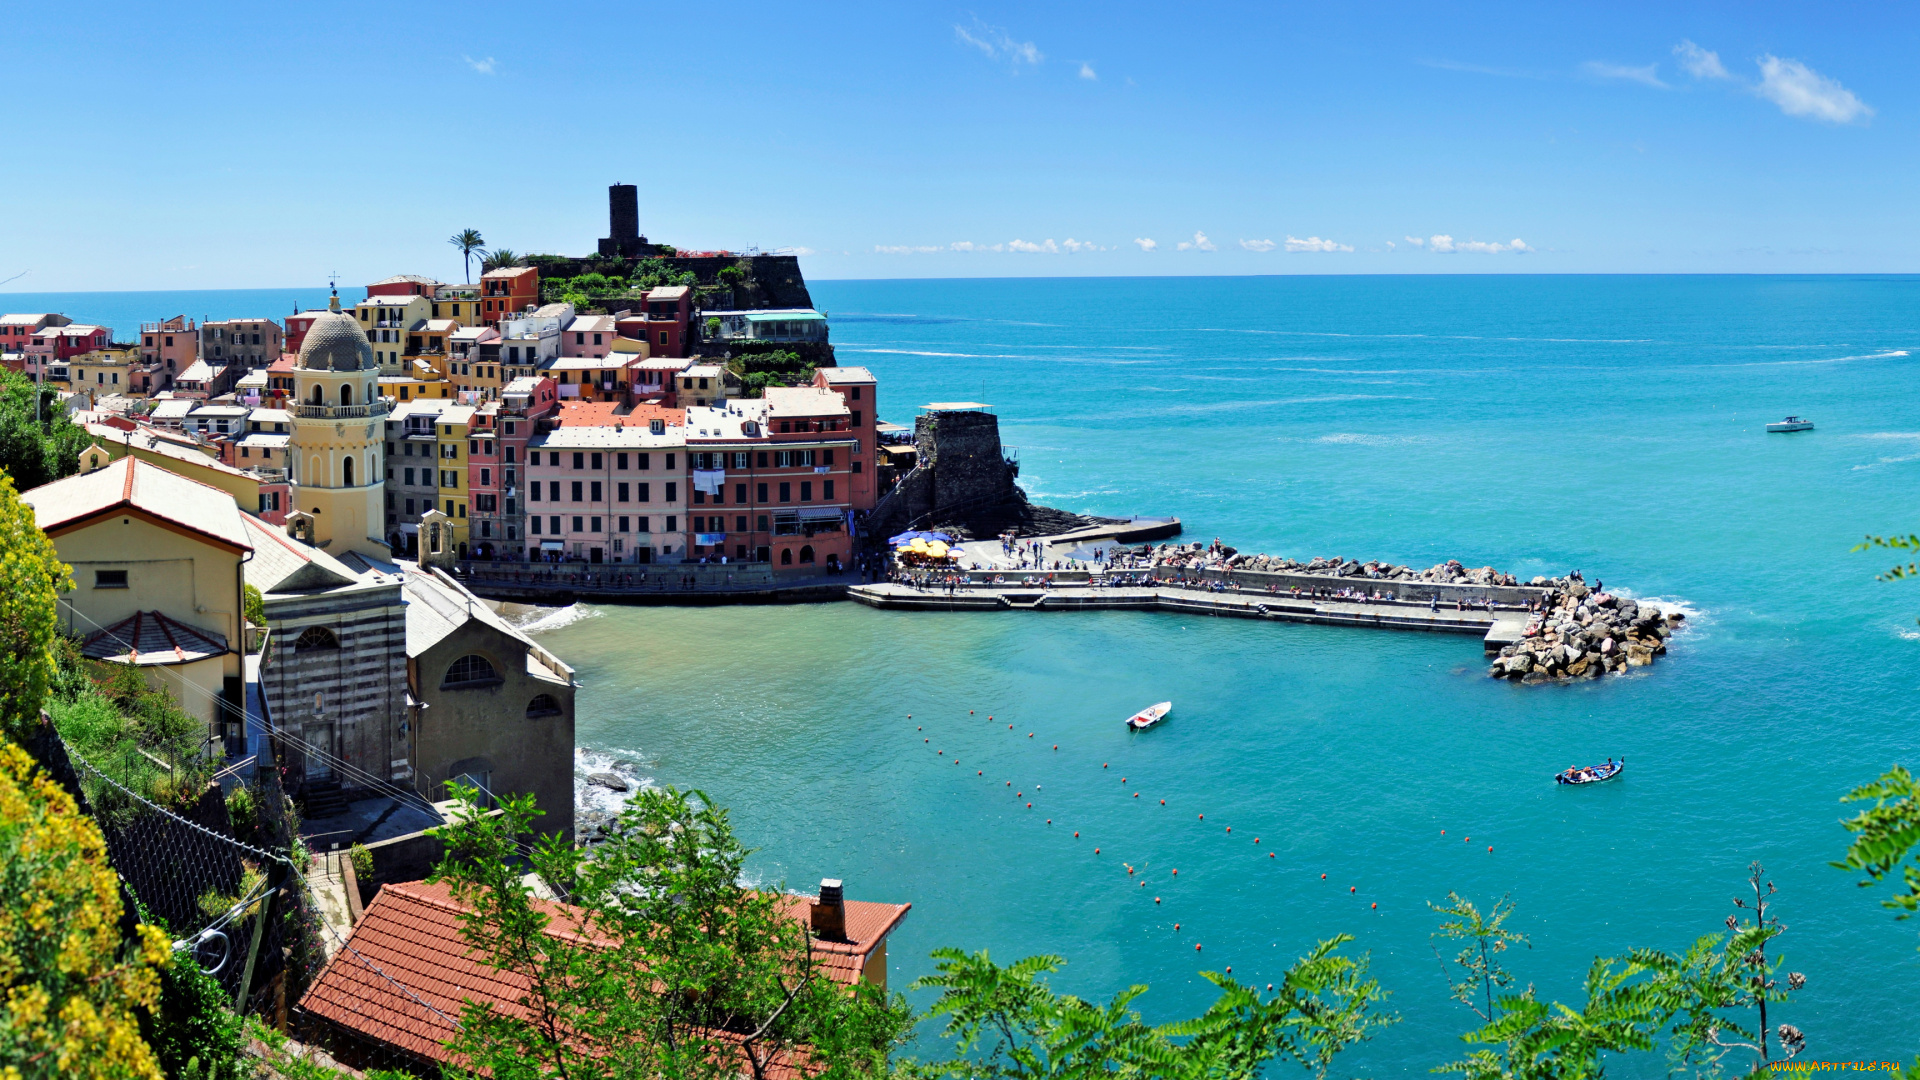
341, 412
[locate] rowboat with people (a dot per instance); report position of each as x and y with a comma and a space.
1591, 774
1149, 716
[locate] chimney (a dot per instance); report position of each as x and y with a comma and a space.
829, 915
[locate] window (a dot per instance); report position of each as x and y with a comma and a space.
623, 490
856, 412
806, 491
554, 522
646, 494
620, 461
595, 490
762, 492
856, 467
644, 458
544, 705
533, 456
786, 556
763, 462
699, 497
533, 491
663, 341
578, 460
856, 397
786, 492
826, 456
740, 523
826, 490
486, 478
625, 524
641, 522
316, 637
575, 489
806, 553
109, 579
533, 525
673, 524
762, 522
470, 670
739, 493
669, 467
597, 459
553, 490
673, 489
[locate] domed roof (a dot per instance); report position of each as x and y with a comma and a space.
335, 342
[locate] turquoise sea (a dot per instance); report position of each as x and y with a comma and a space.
1537, 424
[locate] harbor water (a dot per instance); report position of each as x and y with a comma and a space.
1535, 424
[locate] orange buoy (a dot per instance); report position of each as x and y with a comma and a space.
1489, 849
1229, 828
909, 716
1103, 764
1096, 851
1156, 899
1056, 746
1049, 821
1468, 838
1163, 802
1176, 873
1443, 832
1143, 884
1129, 871
979, 772
1076, 834
1019, 794
1029, 806
1123, 779
1353, 888
1029, 734
1136, 794
1376, 905
969, 712
1269, 854
1323, 877
1229, 970
1269, 986
1009, 727
1256, 839
1176, 926
1009, 783
989, 717
926, 740
1196, 947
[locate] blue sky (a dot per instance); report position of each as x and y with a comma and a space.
226, 145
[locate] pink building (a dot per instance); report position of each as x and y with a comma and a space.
167, 349
607, 494
589, 336
405, 285
496, 462
50, 346
17, 330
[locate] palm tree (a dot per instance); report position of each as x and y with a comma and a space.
470, 244
498, 258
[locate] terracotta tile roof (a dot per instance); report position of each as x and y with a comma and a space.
130, 483
405, 971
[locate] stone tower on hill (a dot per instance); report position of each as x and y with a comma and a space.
623, 223
336, 460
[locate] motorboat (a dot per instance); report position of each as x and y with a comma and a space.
1792, 423
1150, 715
1591, 774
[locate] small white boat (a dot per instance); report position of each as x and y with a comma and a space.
1792, 423
1149, 716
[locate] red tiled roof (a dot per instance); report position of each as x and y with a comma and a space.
404, 972
148, 638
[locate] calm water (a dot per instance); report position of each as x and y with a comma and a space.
1537, 424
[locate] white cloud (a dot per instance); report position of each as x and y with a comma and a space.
1645, 76
905, 249
1417, 241
1045, 248
1073, 245
1087, 72
1442, 244
1198, 243
1389, 245
1801, 91
1314, 243
1146, 243
1258, 245
484, 67
1700, 63
802, 251
997, 44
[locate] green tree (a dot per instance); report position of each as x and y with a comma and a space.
38, 443
498, 258
470, 244
1885, 835
1486, 937
31, 579
1005, 1022
660, 963
732, 276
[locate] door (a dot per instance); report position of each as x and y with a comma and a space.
596, 555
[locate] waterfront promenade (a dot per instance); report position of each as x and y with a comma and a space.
1497, 624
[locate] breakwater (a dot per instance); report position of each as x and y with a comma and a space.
1586, 634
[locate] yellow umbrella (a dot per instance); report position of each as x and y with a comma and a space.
937, 549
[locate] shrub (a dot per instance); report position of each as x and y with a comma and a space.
31, 577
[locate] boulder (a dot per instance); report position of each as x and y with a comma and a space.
1520, 662
609, 780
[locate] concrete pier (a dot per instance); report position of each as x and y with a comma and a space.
1185, 599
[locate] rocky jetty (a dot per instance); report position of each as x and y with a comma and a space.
1586, 634
1221, 557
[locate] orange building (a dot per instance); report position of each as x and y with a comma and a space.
507, 291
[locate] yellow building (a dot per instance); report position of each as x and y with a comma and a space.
461, 303
156, 563
451, 429
388, 321
104, 371
414, 387
339, 420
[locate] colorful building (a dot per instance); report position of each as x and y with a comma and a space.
388, 322
607, 494
337, 472
251, 343
861, 393
508, 291
18, 329
780, 466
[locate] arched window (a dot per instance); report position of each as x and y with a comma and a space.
316, 637
806, 553
319, 396
786, 556
346, 472
346, 393
544, 705
470, 670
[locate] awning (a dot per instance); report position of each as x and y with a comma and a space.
710, 539
552, 545
820, 513
909, 537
